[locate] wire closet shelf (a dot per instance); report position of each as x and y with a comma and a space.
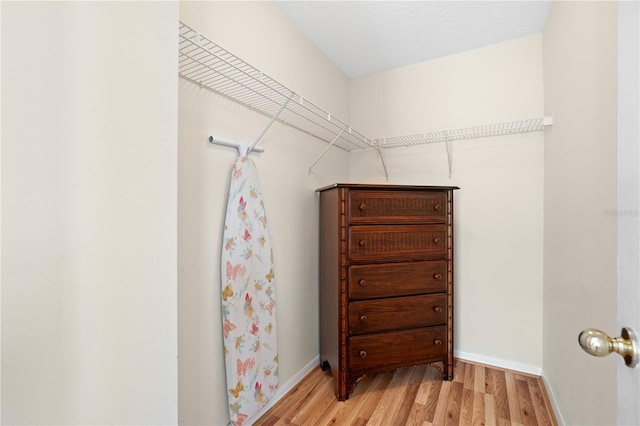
485, 131
208, 65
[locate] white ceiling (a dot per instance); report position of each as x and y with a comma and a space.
364, 37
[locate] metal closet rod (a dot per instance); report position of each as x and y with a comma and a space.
232, 144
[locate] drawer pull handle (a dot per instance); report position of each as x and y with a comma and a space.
363, 207
363, 283
363, 318
363, 354
362, 243
437, 276
437, 207
437, 240
438, 309
437, 342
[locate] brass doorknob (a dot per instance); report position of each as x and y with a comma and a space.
598, 343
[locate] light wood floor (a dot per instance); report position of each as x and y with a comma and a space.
478, 395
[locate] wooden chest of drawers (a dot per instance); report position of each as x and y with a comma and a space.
386, 279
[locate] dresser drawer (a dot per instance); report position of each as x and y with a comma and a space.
379, 206
398, 313
386, 351
397, 242
397, 279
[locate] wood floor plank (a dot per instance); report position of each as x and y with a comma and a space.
469, 375
358, 422
416, 415
498, 389
478, 417
441, 405
523, 376
365, 398
335, 411
409, 395
454, 404
489, 381
300, 395
478, 378
490, 418
459, 371
432, 403
386, 403
425, 386
389, 405
538, 402
315, 406
515, 414
466, 407
527, 411
479, 395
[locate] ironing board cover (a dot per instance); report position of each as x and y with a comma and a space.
248, 298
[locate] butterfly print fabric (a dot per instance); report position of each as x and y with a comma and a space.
248, 298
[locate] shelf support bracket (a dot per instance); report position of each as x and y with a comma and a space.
448, 143
326, 149
275, 117
384, 166
246, 149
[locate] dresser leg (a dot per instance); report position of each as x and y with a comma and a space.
324, 365
354, 382
450, 367
436, 365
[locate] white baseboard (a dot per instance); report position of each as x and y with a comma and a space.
497, 362
285, 388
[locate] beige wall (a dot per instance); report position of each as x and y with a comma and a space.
89, 182
289, 195
579, 191
498, 210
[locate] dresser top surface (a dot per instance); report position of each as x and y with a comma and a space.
386, 187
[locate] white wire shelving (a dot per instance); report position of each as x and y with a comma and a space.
485, 131
207, 64
210, 66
